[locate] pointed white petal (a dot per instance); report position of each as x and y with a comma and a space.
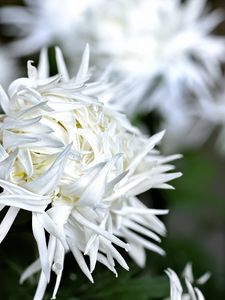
188, 273
6, 165
31, 203
103, 260
3, 153
155, 139
137, 253
115, 253
82, 72
10, 123
31, 70
141, 229
14, 140
94, 192
175, 285
204, 278
61, 66
26, 161
51, 227
48, 181
39, 235
93, 253
190, 289
77, 216
199, 294
43, 65
31, 270
129, 235
80, 259
58, 266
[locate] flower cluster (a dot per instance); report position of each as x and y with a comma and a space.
78, 166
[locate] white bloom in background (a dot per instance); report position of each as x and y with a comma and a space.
192, 293
169, 39
78, 166
165, 48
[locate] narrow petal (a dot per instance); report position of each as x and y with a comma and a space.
31, 270
39, 234
6, 165
43, 65
48, 181
129, 235
80, 259
82, 72
175, 285
61, 66
77, 216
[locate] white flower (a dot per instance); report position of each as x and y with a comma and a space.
171, 57
176, 290
161, 38
64, 148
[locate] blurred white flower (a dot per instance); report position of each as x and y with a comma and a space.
166, 49
78, 166
176, 290
150, 38
173, 61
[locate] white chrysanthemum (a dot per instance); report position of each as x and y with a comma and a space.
167, 48
192, 293
173, 58
161, 38
78, 166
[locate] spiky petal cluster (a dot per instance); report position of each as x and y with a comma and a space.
78, 166
176, 290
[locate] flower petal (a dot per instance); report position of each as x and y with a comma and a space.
48, 181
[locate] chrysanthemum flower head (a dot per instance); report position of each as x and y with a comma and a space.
78, 166
174, 59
